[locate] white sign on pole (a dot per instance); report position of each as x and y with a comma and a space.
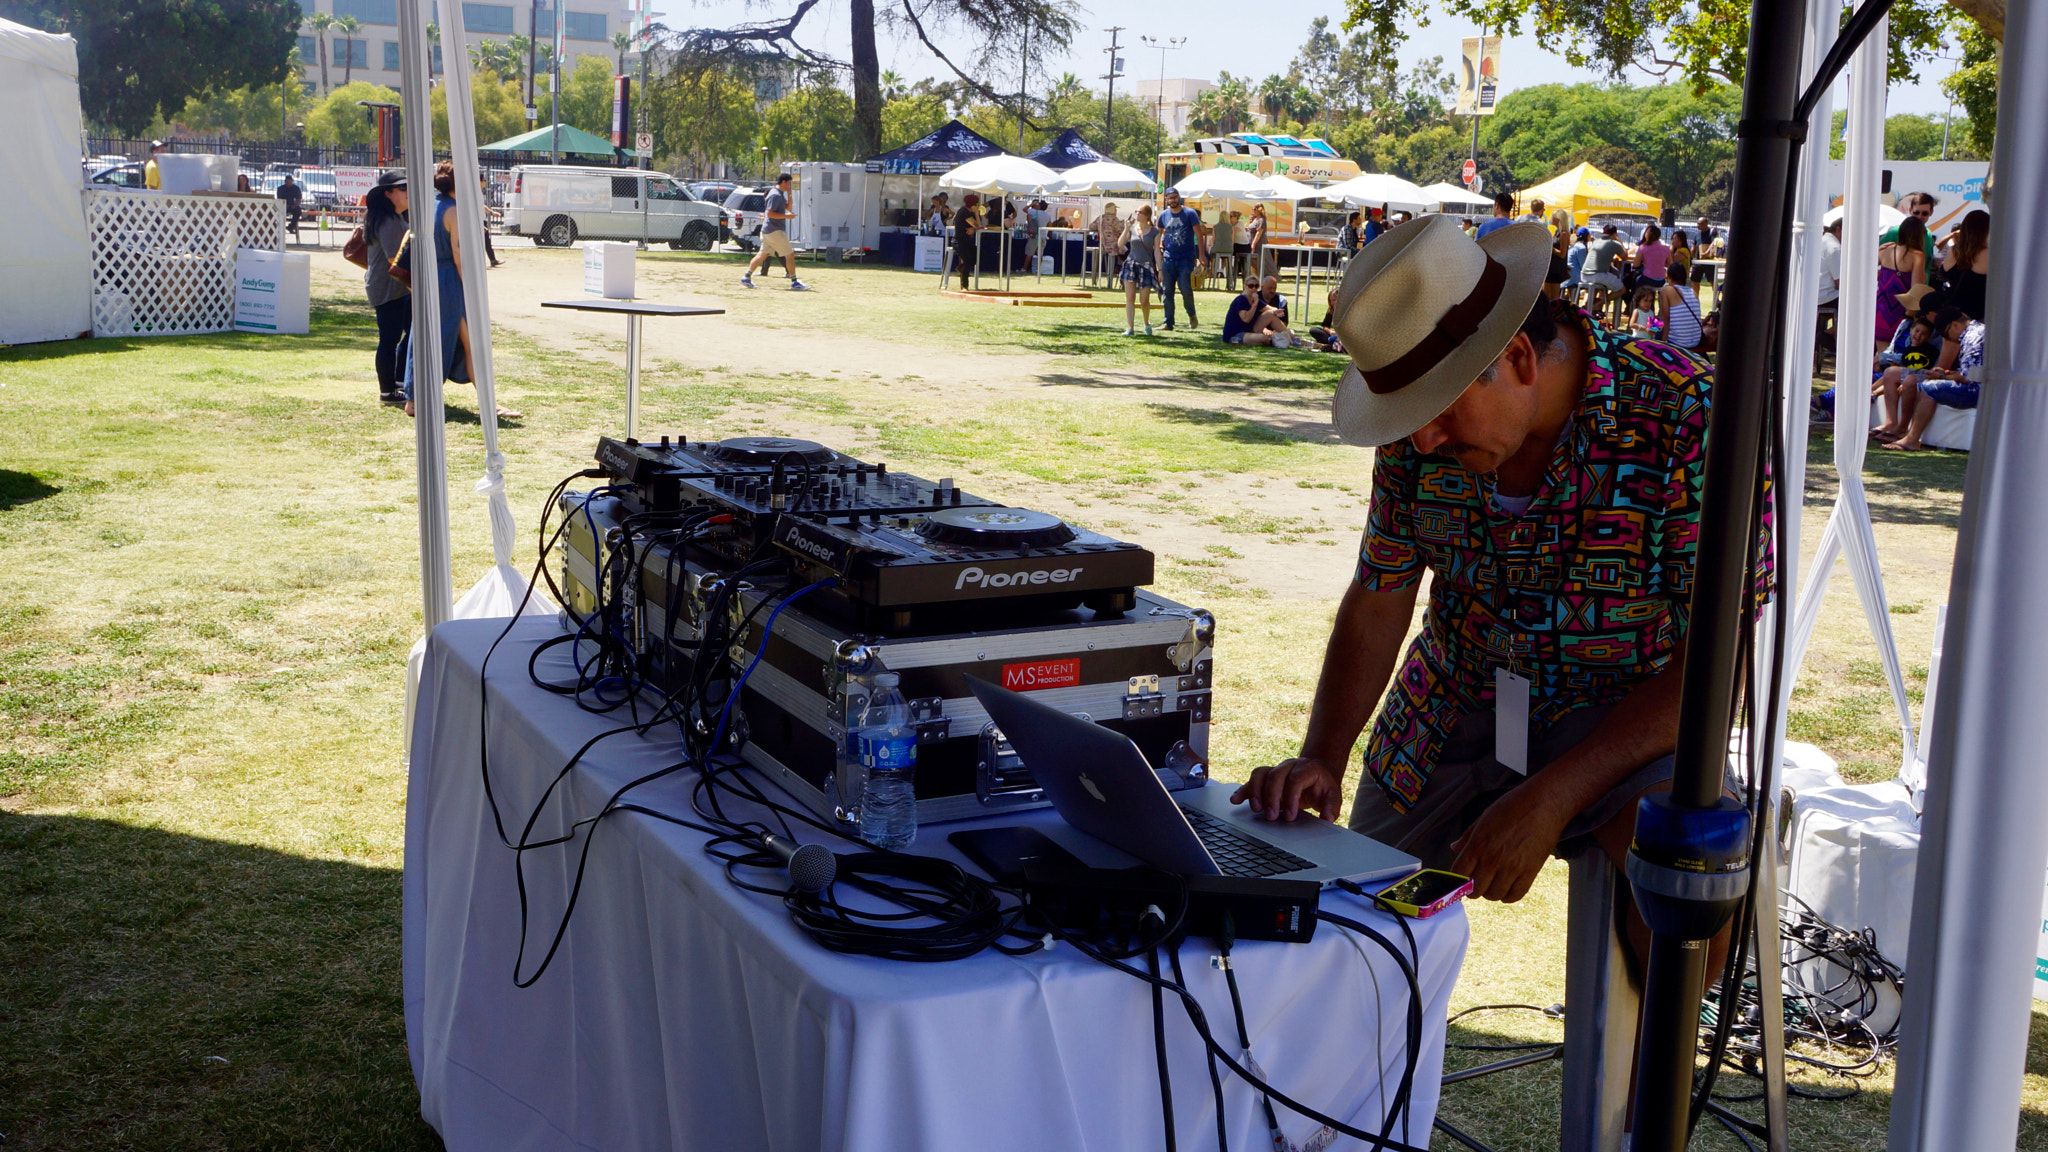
1478, 185
352, 184
644, 143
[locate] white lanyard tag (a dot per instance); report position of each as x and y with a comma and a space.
1511, 720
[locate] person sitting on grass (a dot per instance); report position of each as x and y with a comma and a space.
1323, 337
1255, 318
1938, 386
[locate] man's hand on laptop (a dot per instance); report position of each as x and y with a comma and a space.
1281, 791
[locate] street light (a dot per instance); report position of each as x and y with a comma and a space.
1165, 44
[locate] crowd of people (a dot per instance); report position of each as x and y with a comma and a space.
1929, 307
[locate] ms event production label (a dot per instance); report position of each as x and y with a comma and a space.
1042, 674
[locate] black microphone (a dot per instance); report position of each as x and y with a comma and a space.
812, 867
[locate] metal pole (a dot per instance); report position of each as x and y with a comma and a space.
532, 46
647, 161
1963, 1034
632, 374
1721, 591
437, 581
1475, 106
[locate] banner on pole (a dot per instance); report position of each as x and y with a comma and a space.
1478, 76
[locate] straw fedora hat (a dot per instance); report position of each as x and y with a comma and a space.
1422, 312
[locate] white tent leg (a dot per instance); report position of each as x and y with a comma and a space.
437, 595
1984, 830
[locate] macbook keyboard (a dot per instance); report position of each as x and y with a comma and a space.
1239, 855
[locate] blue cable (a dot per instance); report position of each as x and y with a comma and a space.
767, 630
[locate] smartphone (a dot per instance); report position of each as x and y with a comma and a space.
1425, 893
1003, 852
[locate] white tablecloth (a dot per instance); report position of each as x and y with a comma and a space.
682, 1013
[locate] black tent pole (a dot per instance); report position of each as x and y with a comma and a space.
1689, 866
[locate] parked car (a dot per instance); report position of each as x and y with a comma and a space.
128, 175
558, 205
320, 186
745, 211
713, 191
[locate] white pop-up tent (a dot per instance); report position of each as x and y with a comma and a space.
45, 288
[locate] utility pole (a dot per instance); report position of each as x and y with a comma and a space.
1109, 97
1165, 44
555, 89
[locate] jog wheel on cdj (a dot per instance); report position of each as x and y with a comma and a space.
988, 529
764, 451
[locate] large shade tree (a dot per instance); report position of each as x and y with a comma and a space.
1704, 41
1007, 41
138, 59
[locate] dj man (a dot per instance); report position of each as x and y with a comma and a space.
1547, 472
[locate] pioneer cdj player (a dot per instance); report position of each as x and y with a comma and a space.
911, 576
906, 550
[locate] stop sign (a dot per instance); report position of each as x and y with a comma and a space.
1471, 171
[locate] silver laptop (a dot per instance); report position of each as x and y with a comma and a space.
1099, 782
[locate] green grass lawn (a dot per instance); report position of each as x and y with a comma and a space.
211, 583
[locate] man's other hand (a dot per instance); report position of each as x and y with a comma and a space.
1281, 791
1504, 850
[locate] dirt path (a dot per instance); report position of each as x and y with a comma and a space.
1238, 535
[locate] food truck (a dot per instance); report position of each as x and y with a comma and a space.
1306, 159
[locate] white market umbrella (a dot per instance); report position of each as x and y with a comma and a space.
1376, 188
1106, 177
1014, 175
1446, 193
1887, 216
1229, 183
1283, 188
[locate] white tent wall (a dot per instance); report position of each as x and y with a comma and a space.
45, 287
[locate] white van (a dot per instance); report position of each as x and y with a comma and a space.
558, 205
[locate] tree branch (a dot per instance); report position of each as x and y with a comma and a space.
986, 92
742, 38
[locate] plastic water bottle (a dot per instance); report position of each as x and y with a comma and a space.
888, 753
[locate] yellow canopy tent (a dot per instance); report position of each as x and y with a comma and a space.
1586, 190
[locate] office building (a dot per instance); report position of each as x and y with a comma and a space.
372, 53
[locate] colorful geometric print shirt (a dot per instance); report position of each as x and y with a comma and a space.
1586, 593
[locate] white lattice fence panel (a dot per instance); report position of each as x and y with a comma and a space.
165, 265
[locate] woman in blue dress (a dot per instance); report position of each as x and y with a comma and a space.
455, 358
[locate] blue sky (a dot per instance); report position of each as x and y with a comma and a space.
1222, 35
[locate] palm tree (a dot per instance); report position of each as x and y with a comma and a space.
320, 22
433, 42
892, 85
1068, 85
348, 26
489, 54
1274, 96
622, 44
